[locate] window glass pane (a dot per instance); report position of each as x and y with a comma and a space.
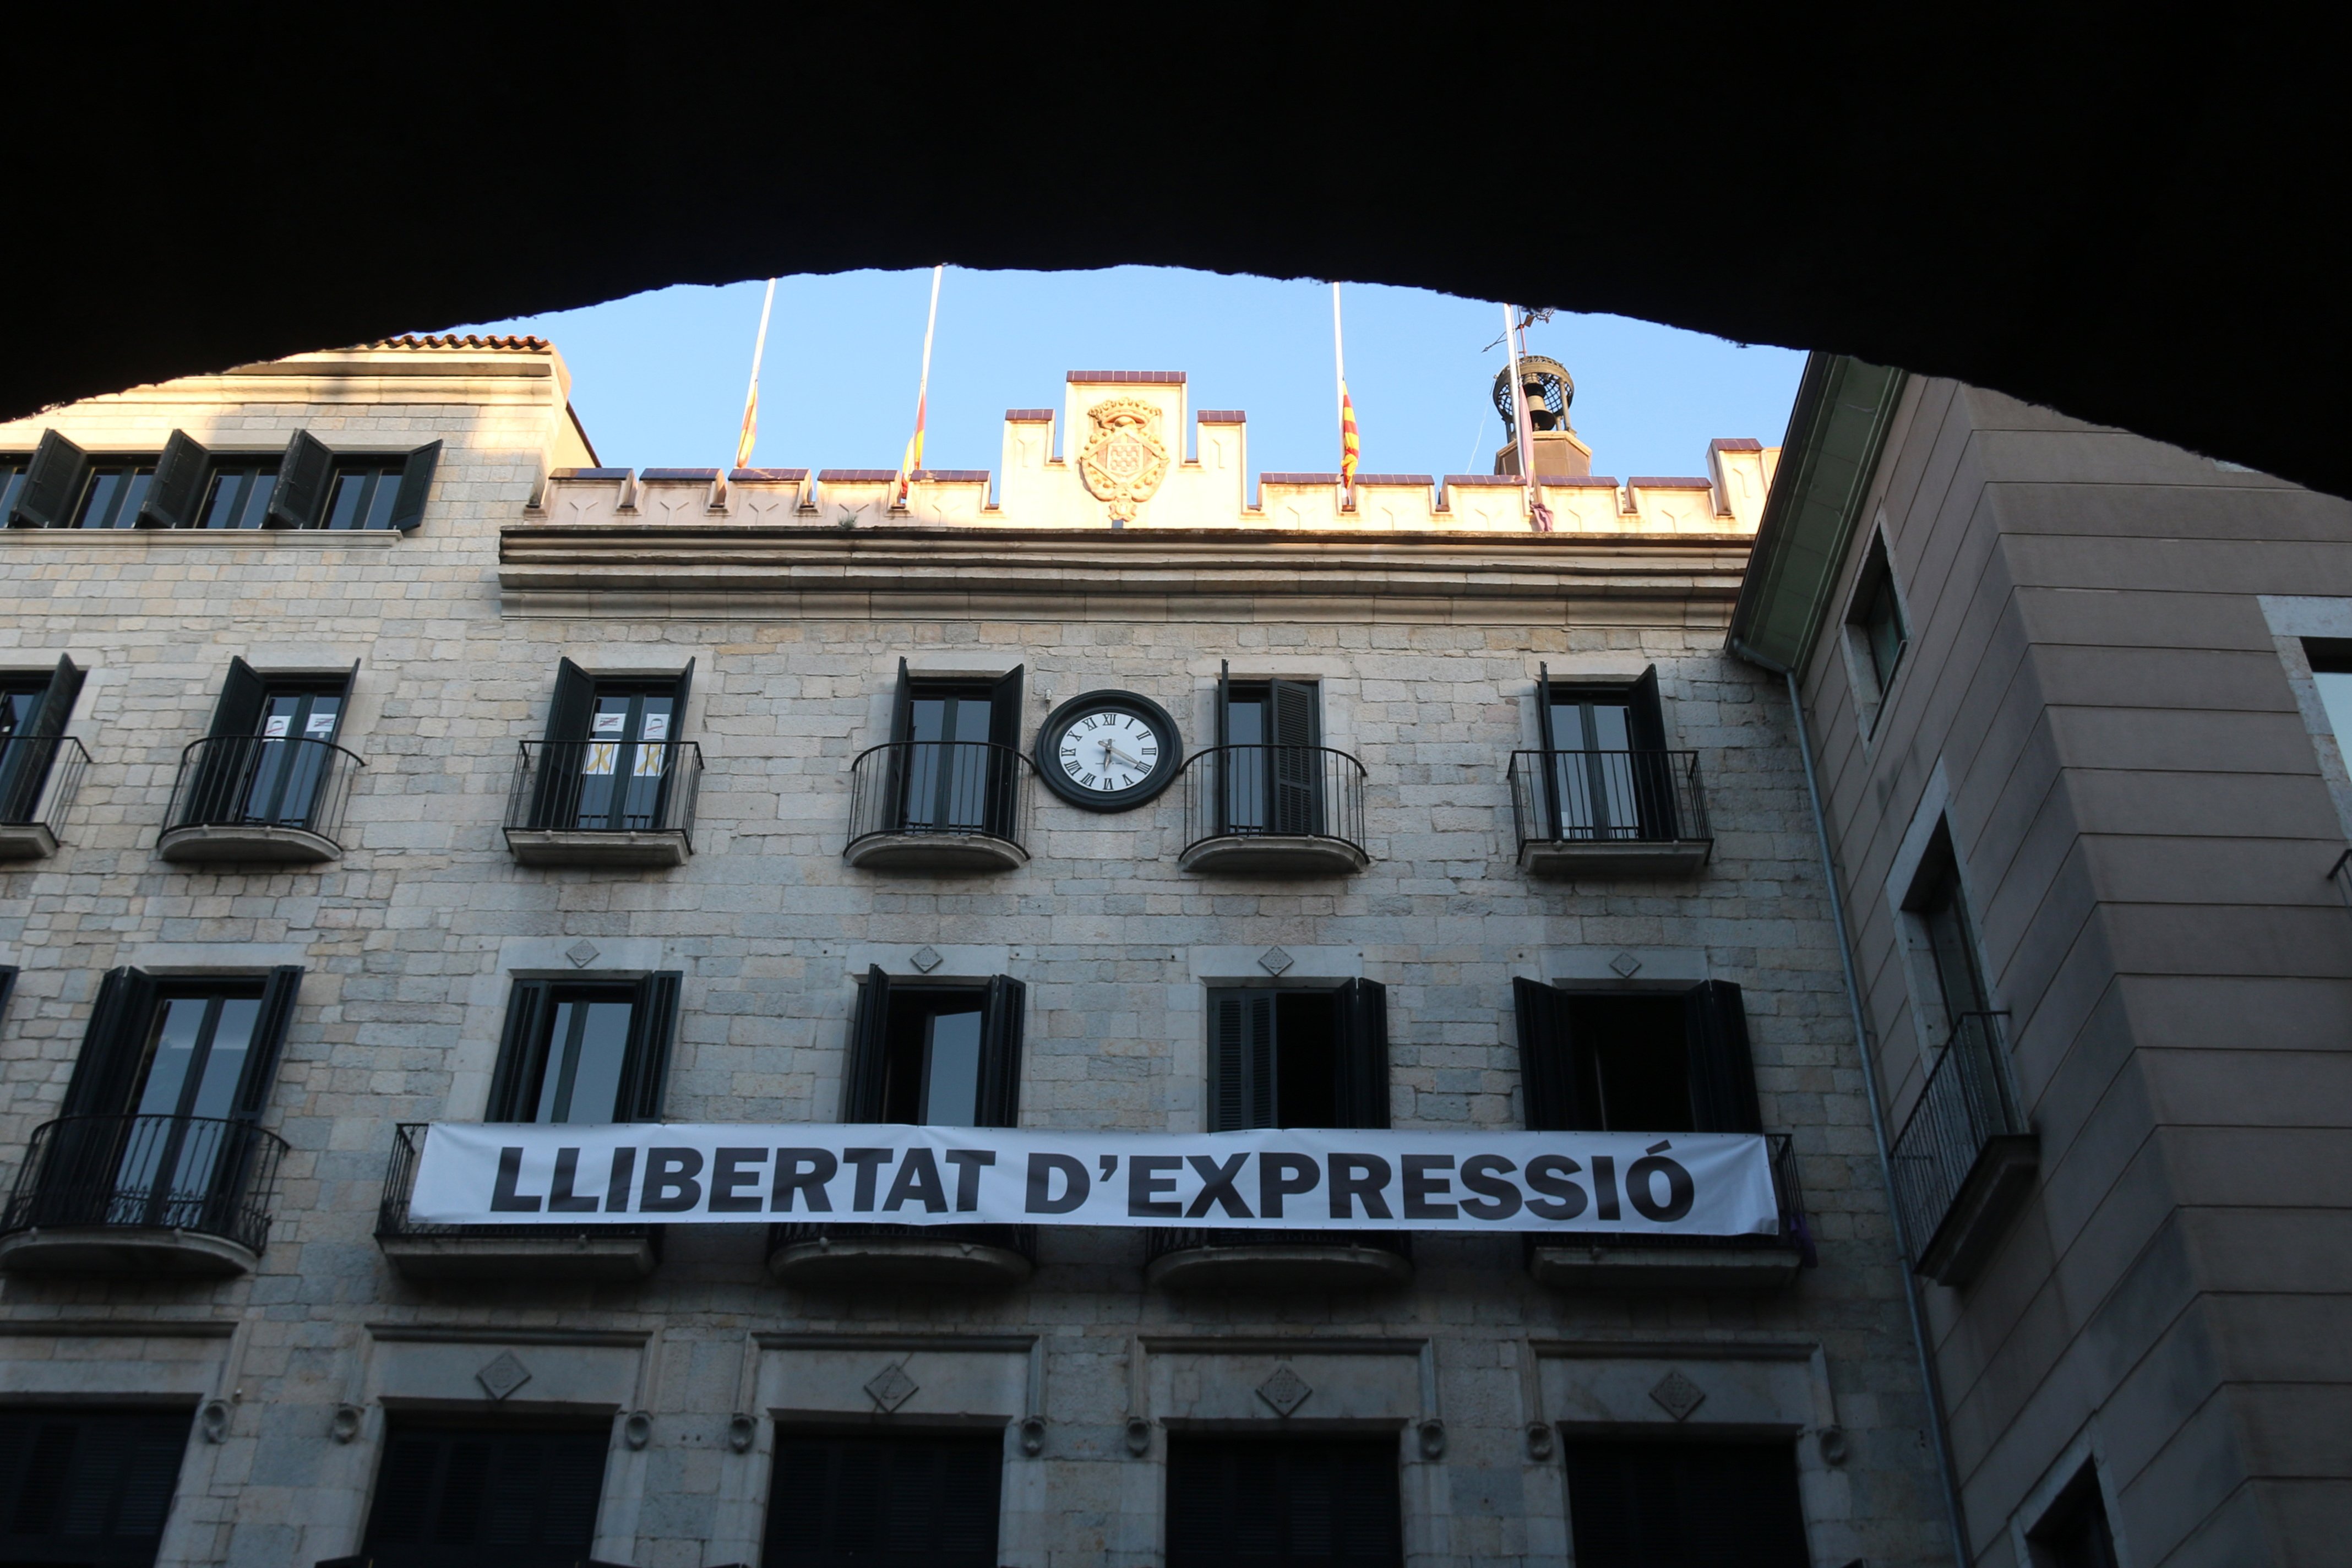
1883, 630
1948, 939
384, 491
99, 501
2335, 697
952, 1070
343, 505
604, 1047
171, 1054
239, 495
16, 709
229, 488
224, 1063
11, 479
1245, 721
1610, 731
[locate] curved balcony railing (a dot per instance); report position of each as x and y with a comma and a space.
1018, 1238
196, 1174
584, 801
275, 784
1158, 1244
40, 776
867, 1257
945, 794
1298, 794
1608, 797
1965, 1155
395, 1227
1795, 1235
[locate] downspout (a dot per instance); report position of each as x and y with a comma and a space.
1953, 1516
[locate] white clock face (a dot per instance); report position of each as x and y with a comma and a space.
1108, 750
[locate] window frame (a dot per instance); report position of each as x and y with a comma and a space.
1244, 1069
866, 1064
533, 1003
1938, 867
1874, 582
1558, 1072
1282, 785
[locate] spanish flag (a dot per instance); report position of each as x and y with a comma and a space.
1352, 449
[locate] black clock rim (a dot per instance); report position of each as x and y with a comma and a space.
1172, 750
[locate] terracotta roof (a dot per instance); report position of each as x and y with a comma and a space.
469, 341
703, 475
1736, 444
950, 476
1028, 416
856, 476
1128, 377
1423, 481
1655, 484
1510, 479
767, 476
590, 474
1299, 478
1576, 481
1221, 416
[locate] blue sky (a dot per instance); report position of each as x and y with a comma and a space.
659, 378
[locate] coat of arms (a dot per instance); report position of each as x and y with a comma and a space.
1125, 462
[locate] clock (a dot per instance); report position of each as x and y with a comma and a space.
1109, 751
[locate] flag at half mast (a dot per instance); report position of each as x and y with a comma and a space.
1351, 448
912, 462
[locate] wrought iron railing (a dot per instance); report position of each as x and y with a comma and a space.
1969, 1101
39, 775
1018, 1238
1285, 792
1795, 1235
196, 1173
1608, 797
263, 781
1160, 1243
606, 786
948, 788
391, 1221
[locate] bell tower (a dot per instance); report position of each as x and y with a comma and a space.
1549, 390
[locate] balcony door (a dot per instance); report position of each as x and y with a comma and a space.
585, 1052
957, 745
1606, 772
1299, 1056
1270, 774
610, 752
931, 1055
1632, 1061
270, 749
34, 709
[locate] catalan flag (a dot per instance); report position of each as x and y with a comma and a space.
1351, 448
912, 459
750, 431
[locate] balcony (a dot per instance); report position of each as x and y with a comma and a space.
1257, 1261
40, 776
603, 803
1965, 1161
951, 1258
248, 799
1687, 1263
141, 1196
1610, 814
1274, 811
421, 1251
939, 806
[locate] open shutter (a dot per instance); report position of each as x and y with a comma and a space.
1722, 1075
1653, 780
1001, 1019
1645, 719
1241, 1034
863, 1072
1548, 763
526, 1014
243, 695
110, 1045
304, 475
555, 792
899, 763
25, 759
1361, 1094
415, 483
902, 709
7, 986
1543, 708
1298, 768
1223, 773
1553, 1067
678, 709
178, 486
653, 1024
574, 701
1004, 715
52, 484
277, 995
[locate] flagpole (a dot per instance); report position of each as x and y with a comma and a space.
1339, 374
914, 454
1538, 515
750, 431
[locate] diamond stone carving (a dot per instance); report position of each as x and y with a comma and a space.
891, 1387
581, 953
1285, 1390
1273, 960
503, 1376
924, 960
1624, 963
1678, 1395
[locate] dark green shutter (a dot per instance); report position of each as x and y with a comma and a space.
897, 763
214, 795
902, 708
1284, 1502
1000, 1020
25, 768
678, 700
178, 488
1543, 708
1555, 1068
556, 792
909, 1500
1722, 1074
1241, 1038
1549, 761
1645, 717
1004, 795
111, 1044
415, 483
866, 1067
305, 474
52, 482
529, 1006
1223, 773
1296, 770
573, 704
653, 1026
278, 994
1654, 783
85, 1485
1361, 1093
7, 986
486, 1497
243, 696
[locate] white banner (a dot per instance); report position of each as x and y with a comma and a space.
1704, 1184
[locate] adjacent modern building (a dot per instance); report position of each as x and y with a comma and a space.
374, 757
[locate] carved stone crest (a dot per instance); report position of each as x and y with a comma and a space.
1126, 459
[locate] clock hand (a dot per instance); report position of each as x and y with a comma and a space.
1111, 750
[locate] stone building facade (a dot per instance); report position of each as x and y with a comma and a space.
704, 1396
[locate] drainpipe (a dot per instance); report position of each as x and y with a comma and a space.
1952, 1514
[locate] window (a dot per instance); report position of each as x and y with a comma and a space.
2075, 1532
486, 1497
1693, 1504
1298, 1057
1616, 1061
1876, 631
85, 1485
608, 763
585, 1051
1952, 988
1270, 765
1607, 774
908, 1500
2331, 671
271, 752
307, 486
1284, 1502
935, 1055
958, 749
34, 709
